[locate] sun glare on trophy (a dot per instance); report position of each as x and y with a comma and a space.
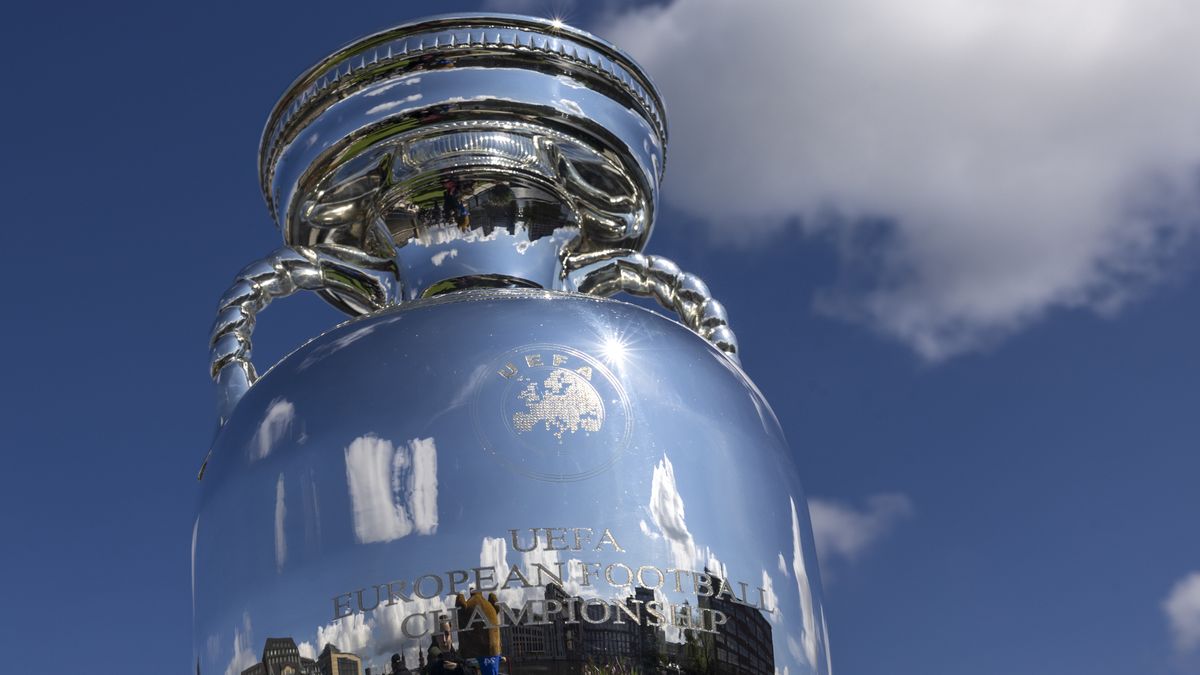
613, 350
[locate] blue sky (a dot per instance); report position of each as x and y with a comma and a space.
957, 246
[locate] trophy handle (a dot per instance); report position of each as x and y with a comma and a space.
605, 273
361, 282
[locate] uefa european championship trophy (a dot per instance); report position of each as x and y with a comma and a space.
492, 467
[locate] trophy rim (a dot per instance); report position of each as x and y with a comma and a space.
276, 125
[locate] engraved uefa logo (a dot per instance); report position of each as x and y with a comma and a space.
551, 412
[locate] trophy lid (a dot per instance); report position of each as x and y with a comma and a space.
521, 126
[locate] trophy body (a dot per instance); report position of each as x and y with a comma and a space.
494, 463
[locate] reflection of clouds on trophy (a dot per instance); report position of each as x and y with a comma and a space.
770, 599
380, 631
393, 490
493, 554
393, 493
243, 650
388, 626
463, 395
350, 634
211, 655
645, 528
564, 401
339, 344
825, 635
667, 512
307, 650
195, 534
280, 533
808, 627
275, 423
712, 563
212, 647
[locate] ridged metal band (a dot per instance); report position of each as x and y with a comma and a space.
372, 57
280, 274
605, 273
289, 269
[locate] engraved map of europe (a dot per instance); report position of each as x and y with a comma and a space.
564, 402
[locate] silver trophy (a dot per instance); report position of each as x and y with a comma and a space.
492, 467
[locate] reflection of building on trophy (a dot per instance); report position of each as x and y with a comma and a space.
332, 661
563, 634
743, 646
280, 656
580, 636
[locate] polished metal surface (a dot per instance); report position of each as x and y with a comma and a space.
369, 285
606, 273
515, 119
619, 484
280, 274
492, 461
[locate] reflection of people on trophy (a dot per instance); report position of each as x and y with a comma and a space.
443, 659
453, 207
479, 631
564, 634
493, 207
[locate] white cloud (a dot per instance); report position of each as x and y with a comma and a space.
840, 530
424, 485
825, 632
795, 650
195, 534
307, 650
393, 490
350, 634
712, 563
1182, 608
782, 564
808, 627
651, 534
371, 474
1013, 157
280, 534
386, 633
392, 105
772, 600
243, 650
275, 423
667, 511
493, 553
340, 343
212, 646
